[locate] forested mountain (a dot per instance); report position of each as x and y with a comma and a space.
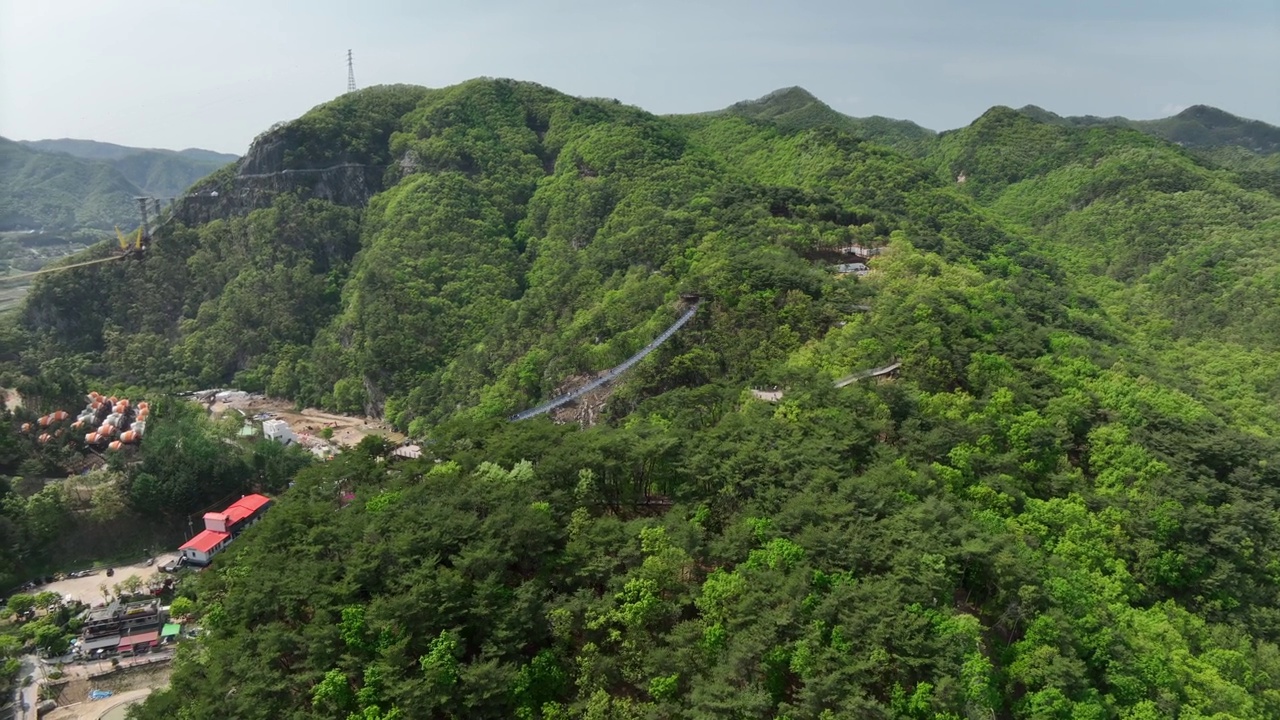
795, 108
162, 173
1224, 140
65, 185
1198, 126
1063, 505
57, 191
1172, 247
95, 150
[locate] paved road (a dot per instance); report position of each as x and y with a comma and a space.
98, 666
33, 668
28, 700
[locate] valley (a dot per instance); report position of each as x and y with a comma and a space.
762, 412
28, 251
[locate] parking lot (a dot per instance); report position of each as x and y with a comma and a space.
88, 589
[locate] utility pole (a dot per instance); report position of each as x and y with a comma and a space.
351, 74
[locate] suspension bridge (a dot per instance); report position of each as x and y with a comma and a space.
612, 373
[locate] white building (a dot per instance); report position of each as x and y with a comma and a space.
411, 452
221, 528
279, 431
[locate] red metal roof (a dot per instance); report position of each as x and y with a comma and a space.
235, 514
249, 504
206, 541
152, 636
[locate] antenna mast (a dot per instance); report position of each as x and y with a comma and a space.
351, 74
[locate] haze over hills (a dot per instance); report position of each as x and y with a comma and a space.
66, 185
60, 192
1060, 503
1199, 127
1251, 147
95, 150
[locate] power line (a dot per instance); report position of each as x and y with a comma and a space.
351, 74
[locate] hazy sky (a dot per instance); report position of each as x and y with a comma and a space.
183, 73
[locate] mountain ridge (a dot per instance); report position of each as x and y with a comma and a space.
356, 148
796, 108
61, 192
1061, 503
100, 150
1200, 127
66, 185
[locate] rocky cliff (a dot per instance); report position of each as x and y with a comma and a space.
339, 152
263, 174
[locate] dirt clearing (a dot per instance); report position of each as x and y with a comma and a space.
308, 424
127, 686
88, 589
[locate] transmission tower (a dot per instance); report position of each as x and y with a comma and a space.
351, 74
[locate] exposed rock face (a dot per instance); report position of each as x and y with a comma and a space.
587, 409
263, 174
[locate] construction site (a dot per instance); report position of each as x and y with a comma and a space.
311, 428
107, 693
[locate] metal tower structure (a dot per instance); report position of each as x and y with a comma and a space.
351, 74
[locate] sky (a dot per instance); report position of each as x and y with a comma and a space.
196, 73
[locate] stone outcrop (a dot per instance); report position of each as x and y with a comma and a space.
265, 173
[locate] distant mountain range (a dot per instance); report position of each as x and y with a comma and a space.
66, 185
1213, 134
1199, 126
94, 150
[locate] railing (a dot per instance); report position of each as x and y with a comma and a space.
864, 374
611, 374
775, 394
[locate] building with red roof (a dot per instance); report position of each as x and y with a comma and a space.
221, 528
142, 642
